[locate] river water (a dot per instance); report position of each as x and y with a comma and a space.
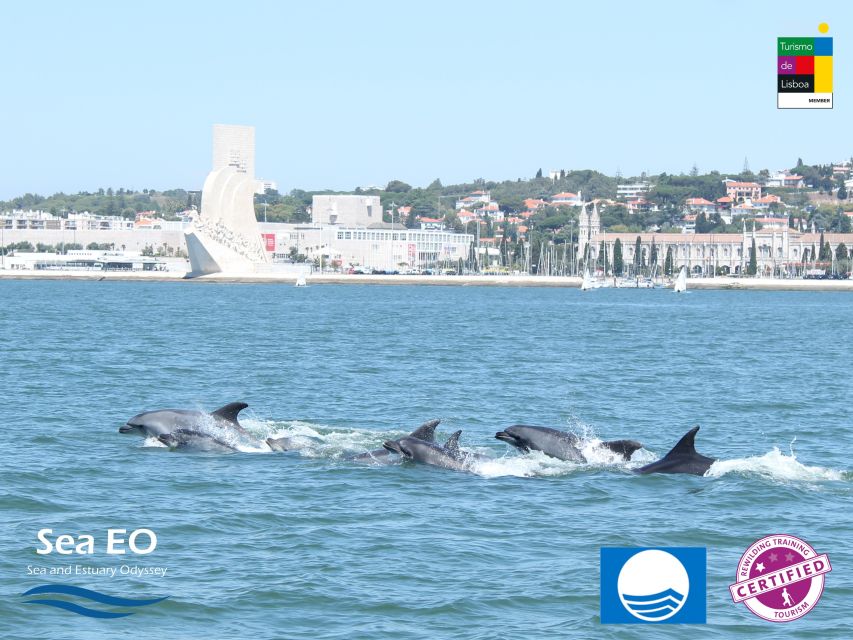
311, 545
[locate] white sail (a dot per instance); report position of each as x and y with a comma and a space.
587, 283
680, 285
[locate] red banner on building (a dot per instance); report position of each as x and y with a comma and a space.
269, 241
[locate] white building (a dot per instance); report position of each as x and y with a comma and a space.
262, 186
632, 191
40, 227
383, 246
346, 210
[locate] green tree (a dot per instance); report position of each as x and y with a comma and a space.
539, 173
398, 186
667, 263
825, 253
841, 252
842, 192
638, 256
618, 263
752, 269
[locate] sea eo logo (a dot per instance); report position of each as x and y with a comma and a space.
653, 585
62, 596
804, 72
780, 578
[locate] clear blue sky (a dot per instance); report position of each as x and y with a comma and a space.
345, 94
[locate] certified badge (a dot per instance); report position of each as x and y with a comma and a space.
780, 578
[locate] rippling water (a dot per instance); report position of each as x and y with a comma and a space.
310, 545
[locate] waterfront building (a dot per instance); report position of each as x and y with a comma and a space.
381, 246
41, 227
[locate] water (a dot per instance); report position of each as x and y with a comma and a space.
312, 546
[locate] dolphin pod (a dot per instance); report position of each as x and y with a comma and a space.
188, 430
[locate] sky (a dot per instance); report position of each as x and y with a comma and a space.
111, 94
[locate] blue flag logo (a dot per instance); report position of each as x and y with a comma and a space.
653, 585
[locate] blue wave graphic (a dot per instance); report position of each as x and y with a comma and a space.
76, 608
88, 594
655, 605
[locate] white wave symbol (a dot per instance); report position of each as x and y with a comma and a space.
654, 606
774, 465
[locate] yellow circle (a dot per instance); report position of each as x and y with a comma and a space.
823, 27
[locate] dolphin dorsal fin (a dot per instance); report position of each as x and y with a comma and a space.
426, 431
452, 444
229, 411
686, 445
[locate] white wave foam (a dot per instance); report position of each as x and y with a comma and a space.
774, 465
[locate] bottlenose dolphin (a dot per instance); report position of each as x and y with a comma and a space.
281, 444
683, 458
425, 432
190, 440
448, 456
558, 444
156, 423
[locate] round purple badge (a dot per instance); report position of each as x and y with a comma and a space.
780, 578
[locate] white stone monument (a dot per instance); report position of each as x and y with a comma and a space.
224, 236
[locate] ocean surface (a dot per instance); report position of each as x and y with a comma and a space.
311, 545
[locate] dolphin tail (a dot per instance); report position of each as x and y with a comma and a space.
452, 444
624, 448
229, 411
426, 431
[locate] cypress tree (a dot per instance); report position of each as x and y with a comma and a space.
618, 263
822, 255
667, 264
752, 269
638, 256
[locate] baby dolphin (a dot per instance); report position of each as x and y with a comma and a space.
157, 423
558, 444
448, 456
683, 458
189, 440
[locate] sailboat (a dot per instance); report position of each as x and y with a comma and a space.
680, 285
300, 281
587, 283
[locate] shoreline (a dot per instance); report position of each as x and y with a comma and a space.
760, 284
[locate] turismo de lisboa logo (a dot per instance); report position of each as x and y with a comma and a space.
653, 585
780, 578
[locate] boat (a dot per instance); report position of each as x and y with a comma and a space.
587, 283
680, 285
300, 282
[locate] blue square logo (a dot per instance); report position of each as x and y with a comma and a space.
653, 585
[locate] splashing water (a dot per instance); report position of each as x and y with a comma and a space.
774, 465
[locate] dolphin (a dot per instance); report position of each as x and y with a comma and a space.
157, 423
448, 456
558, 444
425, 432
281, 444
190, 440
683, 458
